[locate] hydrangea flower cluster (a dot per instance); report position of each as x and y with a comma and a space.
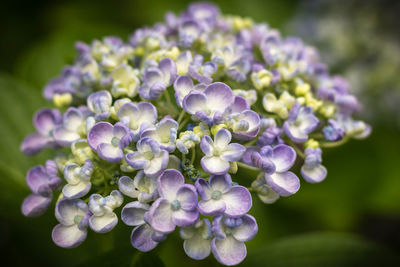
178, 126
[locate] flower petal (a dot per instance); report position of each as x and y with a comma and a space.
214, 165
203, 188
187, 196
35, 205
228, 251
68, 236
206, 145
67, 209
127, 187
183, 218
314, 175
157, 164
237, 200
110, 153
141, 238
76, 190
285, 184
169, 182
221, 183
34, 143
197, 247
46, 120
103, 224
283, 157
101, 132
211, 207
219, 96
247, 230
194, 101
233, 152
160, 216
222, 138
133, 213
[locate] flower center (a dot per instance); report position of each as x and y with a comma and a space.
216, 195
175, 205
115, 141
217, 151
78, 219
149, 155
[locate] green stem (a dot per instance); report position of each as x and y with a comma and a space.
183, 124
250, 143
193, 155
298, 151
248, 167
334, 144
181, 115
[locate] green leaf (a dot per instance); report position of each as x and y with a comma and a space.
321, 249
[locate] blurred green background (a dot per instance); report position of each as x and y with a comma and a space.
351, 219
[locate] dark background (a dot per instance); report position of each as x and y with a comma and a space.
351, 219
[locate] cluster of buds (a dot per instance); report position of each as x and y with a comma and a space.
178, 126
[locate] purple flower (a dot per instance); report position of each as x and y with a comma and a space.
164, 133
103, 218
143, 187
189, 31
183, 85
149, 157
157, 79
78, 179
204, 12
245, 125
300, 123
42, 180
45, 121
73, 216
197, 244
183, 62
264, 192
312, 170
143, 237
72, 128
100, 103
209, 105
177, 205
108, 140
230, 234
276, 162
70, 81
271, 136
220, 197
333, 131
202, 72
220, 152
137, 117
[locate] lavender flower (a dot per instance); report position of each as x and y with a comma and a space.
176, 205
143, 187
197, 244
164, 133
100, 103
312, 170
42, 180
300, 123
220, 152
78, 179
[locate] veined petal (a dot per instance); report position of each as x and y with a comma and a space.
211, 207
228, 251
68, 209
68, 236
222, 138
160, 216
203, 188
187, 196
141, 238
110, 153
206, 145
283, 157
101, 132
221, 183
194, 102
169, 183
103, 224
214, 165
237, 200
233, 152
219, 96
133, 213
127, 187
247, 230
285, 184
183, 218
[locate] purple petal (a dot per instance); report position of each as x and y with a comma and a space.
187, 196
68, 236
222, 138
194, 101
215, 165
160, 216
34, 143
77, 190
35, 205
182, 85
219, 96
101, 132
168, 68
46, 120
221, 183
67, 209
136, 160
37, 178
157, 164
283, 157
228, 251
294, 132
314, 174
127, 187
285, 184
247, 230
237, 200
133, 213
141, 238
211, 207
203, 188
234, 152
183, 218
198, 247
103, 224
206, 145
169, 183
110, 153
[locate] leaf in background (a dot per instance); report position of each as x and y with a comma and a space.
321, 249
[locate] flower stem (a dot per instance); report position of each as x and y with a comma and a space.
248, 167
181, 115
334, 144
298, 151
